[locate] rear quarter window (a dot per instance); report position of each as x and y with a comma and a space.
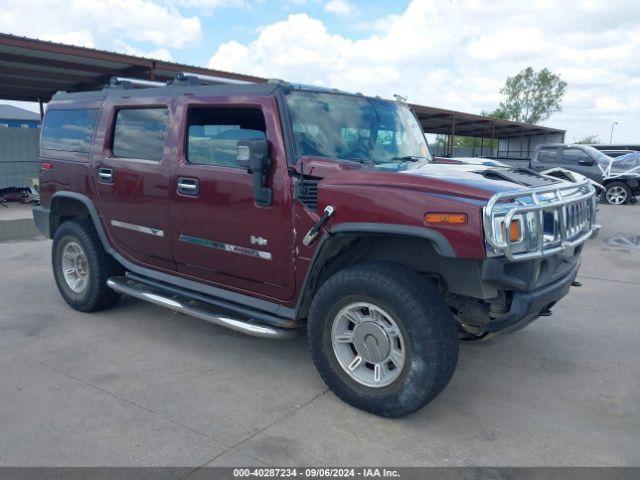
69, 130
140, 133
548, 155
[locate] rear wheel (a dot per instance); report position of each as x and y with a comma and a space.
382, 338
616, 193
81, 267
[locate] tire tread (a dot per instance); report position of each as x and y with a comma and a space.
101, 267
418, 296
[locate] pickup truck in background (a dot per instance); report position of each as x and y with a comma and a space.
590, 162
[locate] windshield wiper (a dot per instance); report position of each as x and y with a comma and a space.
410, 158
364, 160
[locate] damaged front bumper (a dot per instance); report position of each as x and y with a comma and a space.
527, 305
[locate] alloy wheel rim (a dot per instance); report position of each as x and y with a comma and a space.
75, 267
616, 195
368, 344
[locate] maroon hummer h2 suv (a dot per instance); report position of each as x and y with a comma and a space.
268, 208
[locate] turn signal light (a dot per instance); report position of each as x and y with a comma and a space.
445, 218
514, 231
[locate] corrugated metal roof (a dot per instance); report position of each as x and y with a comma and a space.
32, 70
9, 112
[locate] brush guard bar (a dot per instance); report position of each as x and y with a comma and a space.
552, 219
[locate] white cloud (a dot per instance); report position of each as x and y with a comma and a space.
157, 54
93, 22
457, 54
81, 38
342, 8
508, 43
212, 3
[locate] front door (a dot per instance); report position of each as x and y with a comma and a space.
579, 161
219, 234
131, 174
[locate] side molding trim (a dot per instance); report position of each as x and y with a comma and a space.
156, 232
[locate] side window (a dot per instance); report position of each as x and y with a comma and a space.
548, 155
140, 133
213, 134
69, 130
573, 155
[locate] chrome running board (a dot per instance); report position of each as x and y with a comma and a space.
188, 307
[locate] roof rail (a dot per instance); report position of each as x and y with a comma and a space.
199, 79
127, 83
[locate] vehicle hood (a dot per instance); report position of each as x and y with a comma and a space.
469, 161
468, 175
478, 182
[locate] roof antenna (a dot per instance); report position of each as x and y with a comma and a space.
400, 98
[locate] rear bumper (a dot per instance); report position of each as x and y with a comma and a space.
41, 218
526, 306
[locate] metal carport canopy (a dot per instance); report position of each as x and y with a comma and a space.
34, 70
451, 122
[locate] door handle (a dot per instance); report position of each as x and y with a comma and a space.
105, 175
188, 186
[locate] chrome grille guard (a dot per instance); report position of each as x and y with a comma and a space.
552, 219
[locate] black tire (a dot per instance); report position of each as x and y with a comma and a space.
610, 186
427, 326
100, 266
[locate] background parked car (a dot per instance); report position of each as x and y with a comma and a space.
616, 153
619, 187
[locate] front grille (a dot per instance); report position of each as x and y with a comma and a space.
553, 219
578, 217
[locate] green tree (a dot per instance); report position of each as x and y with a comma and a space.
531, 96
589, 139
497, 113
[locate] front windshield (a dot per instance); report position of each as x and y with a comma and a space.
350, 127
597, 155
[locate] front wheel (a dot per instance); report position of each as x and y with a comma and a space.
382, 339
617, 193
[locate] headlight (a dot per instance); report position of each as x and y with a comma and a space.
516, 230
521, 235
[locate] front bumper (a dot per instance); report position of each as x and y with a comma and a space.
41, 218
526, 306
534, 287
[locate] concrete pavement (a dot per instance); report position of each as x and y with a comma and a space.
138, 385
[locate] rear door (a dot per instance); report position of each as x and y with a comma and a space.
577, 160
131, 174
219, 234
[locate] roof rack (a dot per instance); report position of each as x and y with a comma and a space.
199, 79
181, 78
127, 83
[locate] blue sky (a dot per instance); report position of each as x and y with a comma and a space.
447, 53
241, 23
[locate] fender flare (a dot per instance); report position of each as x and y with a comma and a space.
440, 242
93, 213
